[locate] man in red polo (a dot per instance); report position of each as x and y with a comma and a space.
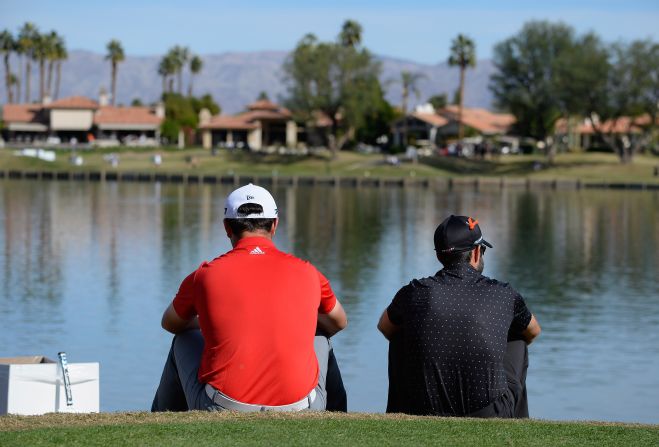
258, 310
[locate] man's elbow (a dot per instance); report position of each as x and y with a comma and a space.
338, 325
166, 325
385, 330
532, 333
342, 323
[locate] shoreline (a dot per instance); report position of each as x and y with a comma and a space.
440, 183
331, 429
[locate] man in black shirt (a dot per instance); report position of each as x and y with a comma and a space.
458, 340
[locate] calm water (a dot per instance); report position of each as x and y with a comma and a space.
89, 268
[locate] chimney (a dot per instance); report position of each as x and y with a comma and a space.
103, 98
46, 100
204, 116
160, 109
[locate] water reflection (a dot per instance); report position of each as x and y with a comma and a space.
88, 268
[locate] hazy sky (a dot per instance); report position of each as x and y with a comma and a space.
419, 30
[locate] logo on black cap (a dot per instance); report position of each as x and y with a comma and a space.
457, 234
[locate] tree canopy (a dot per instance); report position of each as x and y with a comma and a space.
338, 79
438, 101
547, 72
525, 83
182, 113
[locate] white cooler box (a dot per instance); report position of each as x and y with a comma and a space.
35, 385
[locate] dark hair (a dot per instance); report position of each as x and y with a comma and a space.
452, 259
239, 226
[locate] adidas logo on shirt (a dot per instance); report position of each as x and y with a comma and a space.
257, 251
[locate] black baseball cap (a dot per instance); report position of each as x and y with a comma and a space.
457, 234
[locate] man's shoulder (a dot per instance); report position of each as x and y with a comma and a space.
499, 286
418, 284
237, 256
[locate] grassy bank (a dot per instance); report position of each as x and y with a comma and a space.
200, 429
587, 167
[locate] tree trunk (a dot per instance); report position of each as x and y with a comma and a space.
114, 83
190, 87
28, 70
49, 82
42, 79
461, 105
164, 85
171, 84
10, 95
550, 148
180, 81
59, 78
404, 107
18, 87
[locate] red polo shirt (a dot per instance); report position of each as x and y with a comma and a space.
258, 309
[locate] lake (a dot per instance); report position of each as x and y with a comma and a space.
88, 268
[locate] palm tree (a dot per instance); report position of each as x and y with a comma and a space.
53, 41
196, 64
166, 69
43, 50
351, 34
15, 81
180, 56
463, 55
26, 39
409, 81
60, 55
115, 55
7, 46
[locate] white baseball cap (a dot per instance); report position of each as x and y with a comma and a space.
250, 194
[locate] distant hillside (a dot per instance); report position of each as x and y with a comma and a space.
235, 79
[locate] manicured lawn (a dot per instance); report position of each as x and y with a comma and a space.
588, 167
201, 429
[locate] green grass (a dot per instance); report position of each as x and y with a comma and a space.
587, 167
201, 429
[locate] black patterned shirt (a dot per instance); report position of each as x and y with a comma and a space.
447, 359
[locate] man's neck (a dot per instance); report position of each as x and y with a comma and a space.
246, 234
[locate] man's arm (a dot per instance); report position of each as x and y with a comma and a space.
385, 326
334, 321
171, 321
531, 331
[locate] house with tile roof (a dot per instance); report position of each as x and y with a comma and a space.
263, 124
581, 134
437, 126
81, 119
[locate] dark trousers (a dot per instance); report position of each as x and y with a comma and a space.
180, 390
514, 402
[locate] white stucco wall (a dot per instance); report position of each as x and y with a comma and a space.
61, 119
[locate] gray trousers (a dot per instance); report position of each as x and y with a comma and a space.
180, 389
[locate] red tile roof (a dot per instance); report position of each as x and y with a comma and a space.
431, 118
481, 120
262, 110
21, 113
263, 104
622, 125
228, 122
126, 115
265, 109
73, 102
254, 115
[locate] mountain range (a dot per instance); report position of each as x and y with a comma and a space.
236, 79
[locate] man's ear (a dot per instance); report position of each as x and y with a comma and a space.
475, 256
227, 228
273, 230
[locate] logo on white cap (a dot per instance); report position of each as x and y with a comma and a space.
250, 194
